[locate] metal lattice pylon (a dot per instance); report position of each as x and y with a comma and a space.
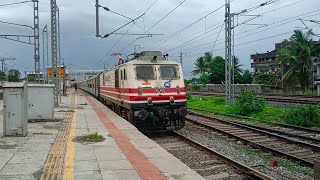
55, 76
36, 40
228, 53
45, 55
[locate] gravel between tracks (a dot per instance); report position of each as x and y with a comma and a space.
245, 154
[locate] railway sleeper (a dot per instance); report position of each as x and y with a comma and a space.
317, 156
299, 151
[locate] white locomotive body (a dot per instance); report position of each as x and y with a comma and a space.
147, 90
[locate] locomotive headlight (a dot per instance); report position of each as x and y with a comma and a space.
171, 100
161, 90
178, 89
142, 114
139, 90
149, 101
183, 112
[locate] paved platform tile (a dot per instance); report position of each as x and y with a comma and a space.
120, 175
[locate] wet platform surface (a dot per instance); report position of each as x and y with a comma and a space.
54, 149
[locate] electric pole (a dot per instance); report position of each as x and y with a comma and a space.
3, 59
228, 54
53, 6
45, 54
36, 39
97, 19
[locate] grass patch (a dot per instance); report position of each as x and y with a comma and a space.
302, 116
95, 137
216, 105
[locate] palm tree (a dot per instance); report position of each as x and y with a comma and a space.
208, 58
237, 65
298, 55
200, 67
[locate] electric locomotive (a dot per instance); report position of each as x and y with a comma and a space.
148, 90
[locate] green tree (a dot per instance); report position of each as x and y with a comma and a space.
200, 67
246, 77
237, 66
14, 75
2, 76
208, 59
265, 79
298, 55
204, 79
217, 71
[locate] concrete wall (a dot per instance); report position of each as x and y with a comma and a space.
220, 88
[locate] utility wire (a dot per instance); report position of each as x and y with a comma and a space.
124, 34
155, 24
186, 27
246, 10
253, 41
5, 22
107, 35
216, 39
132, 20
245, 36
277, 21
9, 4
240, 13
4, 52
188, 42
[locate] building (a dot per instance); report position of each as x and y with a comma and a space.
268, 63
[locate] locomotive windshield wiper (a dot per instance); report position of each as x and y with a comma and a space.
174, 74
145, 79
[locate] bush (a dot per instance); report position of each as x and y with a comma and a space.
189, 96
195, 87
305, 116
248, 103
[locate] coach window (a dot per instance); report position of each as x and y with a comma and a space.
103, 79
116, 79
145, 72
168, 72
124, 74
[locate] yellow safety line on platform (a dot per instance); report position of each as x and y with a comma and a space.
53, 166
69, 165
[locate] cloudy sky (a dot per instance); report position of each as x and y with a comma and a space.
82, 50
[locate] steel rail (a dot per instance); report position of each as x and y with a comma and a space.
256, 145
237, 165
254, 128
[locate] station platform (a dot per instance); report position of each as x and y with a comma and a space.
53, 150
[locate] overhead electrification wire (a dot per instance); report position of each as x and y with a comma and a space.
253, 41
239, 13
188, 42
10, 4
124, 34
273, 11
155, 24
186, 27
216, 39
4, 52
276, 24
132, 20
5, 22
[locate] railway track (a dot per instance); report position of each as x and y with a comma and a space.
294, 146
207, 162
309, 100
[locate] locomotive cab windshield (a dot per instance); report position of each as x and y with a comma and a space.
168, 72
145, 73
